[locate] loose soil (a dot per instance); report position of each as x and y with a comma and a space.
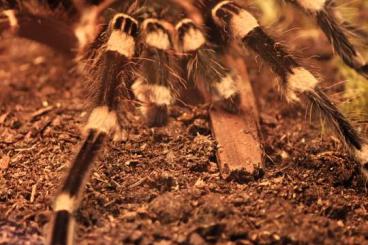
162, 185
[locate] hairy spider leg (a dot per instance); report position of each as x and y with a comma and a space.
112, 72
322, 11
158, 80
66, 202
201, 61
103, 120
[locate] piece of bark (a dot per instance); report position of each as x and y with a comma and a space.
46, 30
58, 34
237, 134
54, 33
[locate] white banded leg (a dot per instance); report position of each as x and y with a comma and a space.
202, 61
296, 81
63, 226
226, 92
112, 73
155, 101
322, 11
103, 121
62, 230
158, 79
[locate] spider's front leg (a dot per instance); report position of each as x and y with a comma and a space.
111, 69
200, 60
297, 82
111, 74
158, 79
322, 11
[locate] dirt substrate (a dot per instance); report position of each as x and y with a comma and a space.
162, 186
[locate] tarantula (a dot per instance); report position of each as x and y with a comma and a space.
152, 52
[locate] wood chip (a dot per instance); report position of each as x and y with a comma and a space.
33, 194
4, 162
3, 117
41, 112
238, 134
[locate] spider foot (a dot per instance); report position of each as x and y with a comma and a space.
226, 93
119, 135
155, 115
231, 104
155, 100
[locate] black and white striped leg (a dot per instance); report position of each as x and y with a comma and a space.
297, 82
335, 32
203, 62
155, 100
103, 121
112, 74
67, 201
225, 92
157, 80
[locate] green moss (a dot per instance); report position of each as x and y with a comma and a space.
356, 92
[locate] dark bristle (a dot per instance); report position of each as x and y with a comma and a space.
356, 31
128, 25
153, 27
344, 129
226, 16
61, 228
91, 49
273, 53
134, 30
160, 67
215, 35
208, 66
339, 40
